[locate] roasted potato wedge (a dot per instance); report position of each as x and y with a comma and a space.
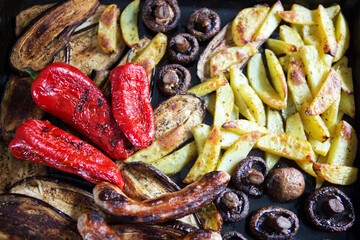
129, 24
247, 22
335, 174
347, 83
344, 145
228, 57
290, 108
328, 93
342, 35
330, 116
327, 31
280, 47
258, 80
210, 217
320, 147
274, 124
224, 105
287, 145
289, 35
237, 152
243, 126
176, 161
160, 147
153, 52
347, 104
208, 86
276, 74
108, 28
208, 157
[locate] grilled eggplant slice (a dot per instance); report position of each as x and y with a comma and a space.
38, 45
23, 217
14, 169
143, 181
182, 109
62, 195
16, 110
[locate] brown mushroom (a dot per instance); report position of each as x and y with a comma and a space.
329, 209
233, 235
173, 79
203, 24
233, 205
183, 48
249, 176
285, 184
161, 15
271, 223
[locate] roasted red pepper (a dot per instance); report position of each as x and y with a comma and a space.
40, 142
67, 93
131, 105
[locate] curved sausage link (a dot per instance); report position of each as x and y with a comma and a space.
163, 208
202, 235
92, 226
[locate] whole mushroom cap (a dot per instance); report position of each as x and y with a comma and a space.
203, 24
285, 184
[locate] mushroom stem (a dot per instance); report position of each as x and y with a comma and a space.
278, 223
163, 13
255, 177
181, 44
170, 77
202, 21
333, 206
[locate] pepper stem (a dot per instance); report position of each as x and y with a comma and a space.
33, 74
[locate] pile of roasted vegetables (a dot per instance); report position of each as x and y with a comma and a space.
72, 104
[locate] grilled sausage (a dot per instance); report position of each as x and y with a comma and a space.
163, 208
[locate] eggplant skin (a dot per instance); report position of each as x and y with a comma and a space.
23, 217
48, 35
17, 110
14, 169
182, 109
59, 194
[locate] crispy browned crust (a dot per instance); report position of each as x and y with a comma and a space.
23, 217
163, 208
92, 226
37, 46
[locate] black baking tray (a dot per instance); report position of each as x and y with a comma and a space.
227, 10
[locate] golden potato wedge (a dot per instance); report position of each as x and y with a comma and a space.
300, 91
290, 108
247, 22
344, 145
237, 152
316, 66
129, 24
269, 24
342, 63
314, 125
274, 124
328, 93
160, 147
210, 102
153, 52
208, 157
210, 217
321, 148
289, 35
258, 80
277, 75
253, 102
347, 104
327, 31
229, 57
228, 138
235, 113
108, 28
280, 47
347, 83
237, 78
224, 105
342, 35
310, 34
295, 126
292, 56
335, 174
330, 116
176, 161
208, 86
243, 126
304, 16
287, 145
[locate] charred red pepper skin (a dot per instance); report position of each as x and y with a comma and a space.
131, 105
40, 142
65, 92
